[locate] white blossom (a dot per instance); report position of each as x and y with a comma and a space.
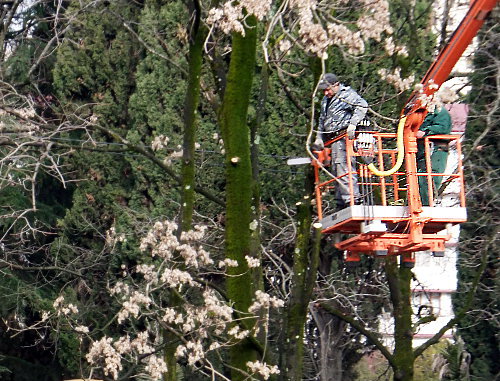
103, 349
131, 307
71, 308
180, 351
252, 262
195, 234
199, 318
123, 345
285, 46
217, 307
402, 51
159, 142
45, 315
156, 367
389, 46
112, 237
189, 324
238, 333
253, 225
395, 79
58, 302
214, 345
195, 351
230, 17
63, 309
262, 368
82, 329
120, 288
141, 344
161, 239
176, 277
263, 300
375, 21
343, 36
169, 315
148, 272
228, 262
258, 8
447, 95
173, 155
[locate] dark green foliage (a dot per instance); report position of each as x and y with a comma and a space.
69, 352
282, 136
479, 238
454, 361
27, 40
25, 355
17, 369
100, 71
95, 66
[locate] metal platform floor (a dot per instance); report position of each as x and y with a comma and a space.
349, 220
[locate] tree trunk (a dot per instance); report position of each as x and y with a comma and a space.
399, 279
254, 155
198, 35
305, 266
332, 334
235, 133
197, 38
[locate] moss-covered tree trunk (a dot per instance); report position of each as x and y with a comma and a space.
236, 136
305, 266
399, 279
255, 243
197, 37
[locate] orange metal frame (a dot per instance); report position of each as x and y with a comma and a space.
407, 234
390, 187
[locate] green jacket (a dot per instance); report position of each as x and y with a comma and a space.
437, 123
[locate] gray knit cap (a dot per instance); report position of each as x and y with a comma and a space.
329, 79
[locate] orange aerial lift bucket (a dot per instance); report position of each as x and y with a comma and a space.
389, 219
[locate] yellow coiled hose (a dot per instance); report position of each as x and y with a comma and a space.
401, 151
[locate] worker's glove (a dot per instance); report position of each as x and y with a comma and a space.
318, 145
351, 130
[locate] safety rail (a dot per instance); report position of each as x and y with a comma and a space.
390, 190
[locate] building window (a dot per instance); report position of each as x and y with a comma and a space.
427, 303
